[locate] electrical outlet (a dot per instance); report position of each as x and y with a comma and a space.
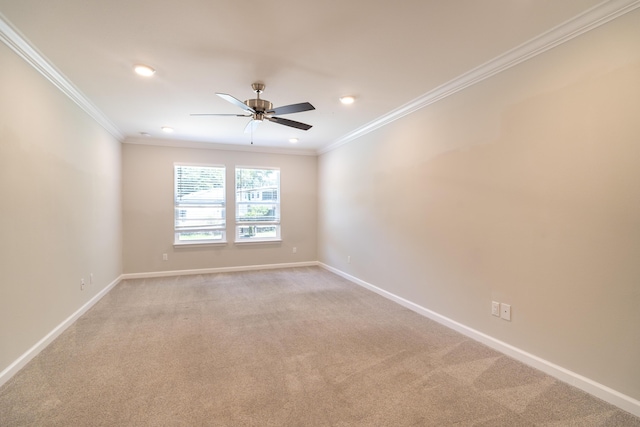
349, 259
82, 284
495, 308
91, 279
165, 257
505, 311
295, 250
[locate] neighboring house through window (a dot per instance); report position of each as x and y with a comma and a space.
257, 204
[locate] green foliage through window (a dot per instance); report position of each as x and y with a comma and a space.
257, 204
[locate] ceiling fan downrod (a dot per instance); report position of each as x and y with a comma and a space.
259, 105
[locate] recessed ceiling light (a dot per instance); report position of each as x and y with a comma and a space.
144, 70
167, 129
293, 140
347, 99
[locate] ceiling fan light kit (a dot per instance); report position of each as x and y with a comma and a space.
260, 110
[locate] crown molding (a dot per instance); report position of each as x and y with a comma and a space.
580, 24
586, 21
19, 44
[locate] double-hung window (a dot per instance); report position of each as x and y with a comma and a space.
199, 204
257, 204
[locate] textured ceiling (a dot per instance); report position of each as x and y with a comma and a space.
385, 53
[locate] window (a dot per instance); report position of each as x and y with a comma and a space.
257, 204
199, 204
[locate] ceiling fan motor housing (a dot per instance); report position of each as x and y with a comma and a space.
260, 105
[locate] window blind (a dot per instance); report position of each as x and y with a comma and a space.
199, 204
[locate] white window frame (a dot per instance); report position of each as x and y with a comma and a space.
253, 198
218, 226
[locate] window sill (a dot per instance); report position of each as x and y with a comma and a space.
256, 242
198, 244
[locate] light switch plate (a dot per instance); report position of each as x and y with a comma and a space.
495, 308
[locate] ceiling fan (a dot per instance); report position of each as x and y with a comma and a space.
261, 109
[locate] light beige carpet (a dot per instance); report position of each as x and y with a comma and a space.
294, 347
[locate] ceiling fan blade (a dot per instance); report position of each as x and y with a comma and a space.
252, 125
293, 108
234, 115
236, 102
288, 122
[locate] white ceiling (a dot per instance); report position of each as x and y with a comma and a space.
385, 53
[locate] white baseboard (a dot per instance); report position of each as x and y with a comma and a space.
19, 363
594, 388
152, 274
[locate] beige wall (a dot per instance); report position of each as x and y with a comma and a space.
524, 189
60, 192
148, 210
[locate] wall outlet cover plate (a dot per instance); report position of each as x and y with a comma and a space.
505, 311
